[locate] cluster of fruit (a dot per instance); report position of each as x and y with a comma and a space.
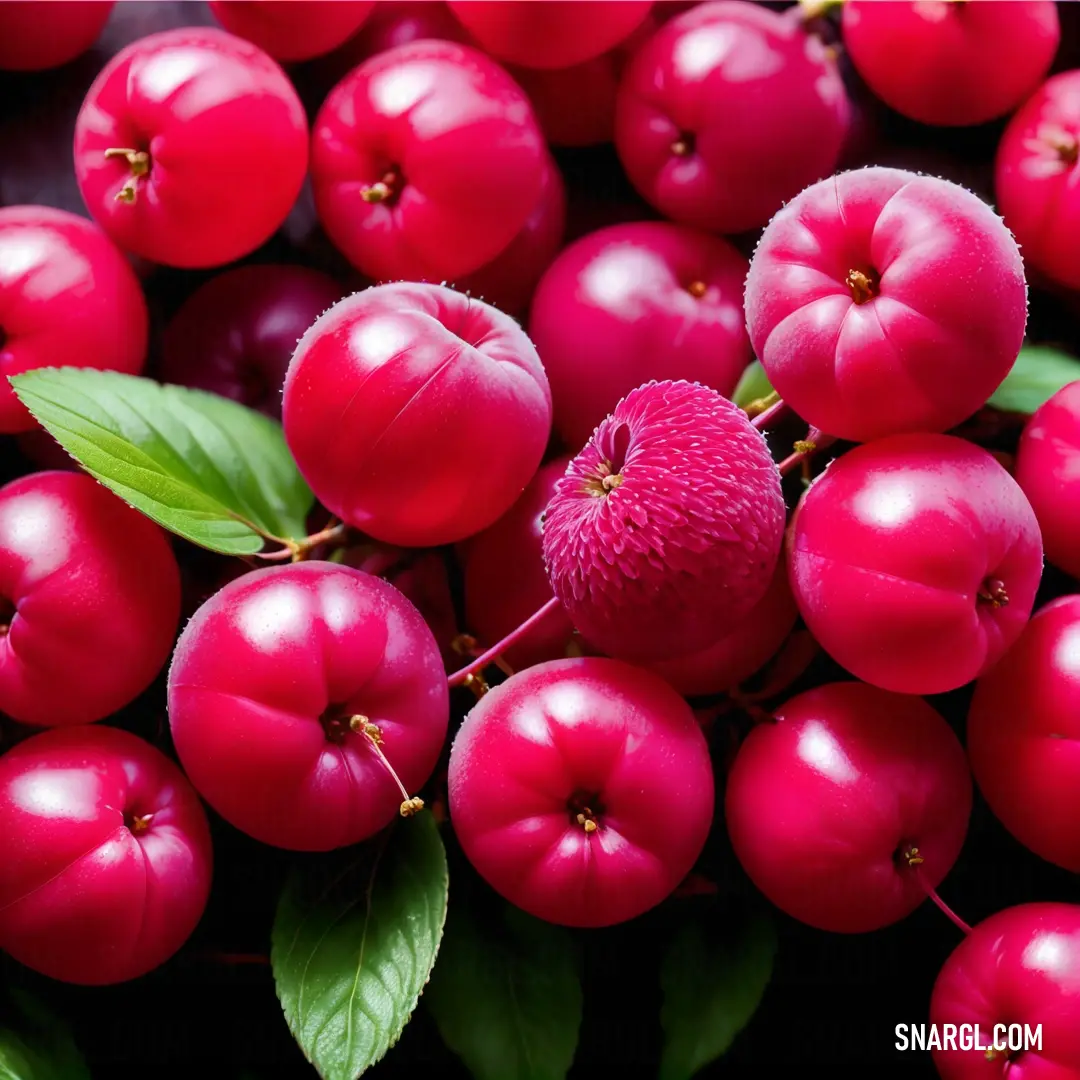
643, 557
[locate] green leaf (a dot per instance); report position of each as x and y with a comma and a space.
714, 977
35, 1044
354, 943
753, 386
1037, 375
506, 995
206, 468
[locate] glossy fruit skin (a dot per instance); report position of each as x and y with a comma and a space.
666, 525
615, 310
411, 460
569, 734
67, 298
89, 895
735, 83
505, 580
927, 350
90, 581
822, 804
1035, 178
550, 35
460, 141
292, 30
744, 648
941, 65
1022, 731
230, 113
509, 280
32, 41
399, 22
235, 335
258, 666
890, 548
1048, 469
1019, 966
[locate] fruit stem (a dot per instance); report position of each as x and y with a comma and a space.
139, 163
458, 677
914, 860
363, 726
298, 550
764, 411
804, 449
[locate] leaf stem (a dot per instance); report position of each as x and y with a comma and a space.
459, 677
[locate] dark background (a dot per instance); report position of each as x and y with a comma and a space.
833, 1000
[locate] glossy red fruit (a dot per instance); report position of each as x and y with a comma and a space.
550, 35
34, 37
576, 105
632, 303
828, 806
881, 302
293, 29
1048, 469
952, 64
191, 147
67, 298
426, 162
726, 113
505, 580
417, 414
399, 22
666, 525
744, 647
509, 280
582, 790
1036, 175
1018, 967
915, 561
264, 687
235, 335
90, 598
1022, 732
105, 857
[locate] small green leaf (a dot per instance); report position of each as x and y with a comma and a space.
714, 977
753, 386
35, 1044
206, 468
1037, 375
353, 945
507, 996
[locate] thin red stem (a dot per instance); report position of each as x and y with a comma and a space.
815, 440
458, 678
945, 909
763, 419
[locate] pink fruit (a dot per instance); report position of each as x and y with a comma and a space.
727, 112
426, 162
191, 147
1036, 174
235, 335
636, 302
508, 281
1048, 469
581, 790
505, 580
265, 689
667, 525
915, 561
547, 35
1022, 732
416, 414
1020, 966
105, 855
400, 22
89, 600
67, 298
952, 64
293, 29
881, 302
744, 648
829, 806
34, 38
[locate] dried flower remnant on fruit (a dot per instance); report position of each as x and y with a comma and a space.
139, 163
864, 285
683, 146
385, 190
993, 592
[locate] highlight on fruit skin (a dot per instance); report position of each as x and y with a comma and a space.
666, 527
